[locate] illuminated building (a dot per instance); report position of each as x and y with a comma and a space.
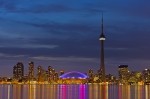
110, 78
51, 72
91, 76
56, 77
124, 74
39, 70
146, 76
135, 77
46, 75
18, 71
74, 77
31, 71
42, 75
39, 74
96, 78
102, 65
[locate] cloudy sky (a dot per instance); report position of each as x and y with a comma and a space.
64, 34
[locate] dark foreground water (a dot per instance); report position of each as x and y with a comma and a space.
92, 91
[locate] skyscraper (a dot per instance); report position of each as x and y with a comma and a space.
39, 73
31, 71
102, 64
146, 76
18, 71
42, 75
50, 74
124, 74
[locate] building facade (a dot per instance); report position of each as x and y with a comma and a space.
18, 71
124, 74
146, 76
31, 71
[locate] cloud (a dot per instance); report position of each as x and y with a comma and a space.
33, 7
47, 8
29, 46
3, 55
66, 59
73, 28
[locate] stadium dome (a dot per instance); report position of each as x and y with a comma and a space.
74, 74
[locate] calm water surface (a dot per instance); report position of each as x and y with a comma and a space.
92, 91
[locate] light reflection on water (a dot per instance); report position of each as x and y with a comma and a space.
92, 91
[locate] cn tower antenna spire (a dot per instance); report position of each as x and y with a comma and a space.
102, 23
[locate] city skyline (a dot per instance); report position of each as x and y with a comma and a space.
39, 75
65, 34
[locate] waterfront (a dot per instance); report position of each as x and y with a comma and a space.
87, 91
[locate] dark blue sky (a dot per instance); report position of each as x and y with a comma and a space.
64, 34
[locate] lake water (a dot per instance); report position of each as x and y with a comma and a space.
91, 91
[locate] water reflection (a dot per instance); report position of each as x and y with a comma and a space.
147, 92
97, 91
91, 91
72, 92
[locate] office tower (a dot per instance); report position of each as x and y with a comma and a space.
135, 77
39, 73
146, 76
50, 74
91, 76
42, 75
18, 71
124, 74
102, 65
110, 78
46, 76
56, 77
31, 71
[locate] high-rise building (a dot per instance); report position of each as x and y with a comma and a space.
18, 71
56, 77
135, 77
124, 74
31, 71
50, 74
91, 76
146, 76
39, 73
102, 65
110, 78
42, 75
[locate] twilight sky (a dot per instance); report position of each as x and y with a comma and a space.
64, 34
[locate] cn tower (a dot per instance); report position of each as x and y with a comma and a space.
102, 64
